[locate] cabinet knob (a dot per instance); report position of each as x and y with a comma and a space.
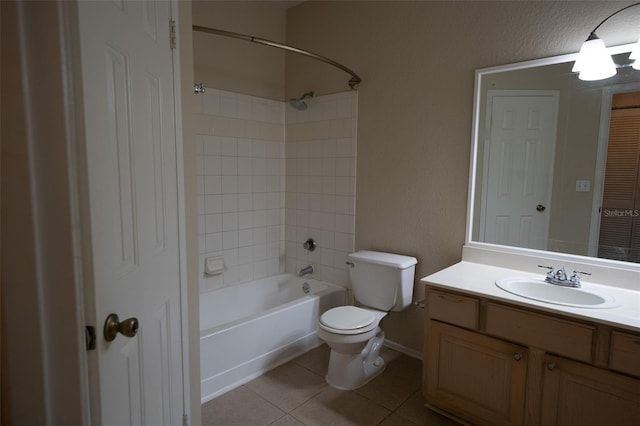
551, 366
517, 356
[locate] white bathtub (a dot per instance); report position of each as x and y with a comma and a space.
248, 329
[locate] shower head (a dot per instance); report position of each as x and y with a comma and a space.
299, 103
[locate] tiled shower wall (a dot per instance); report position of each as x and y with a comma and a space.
241, 165
320, 185
241, 160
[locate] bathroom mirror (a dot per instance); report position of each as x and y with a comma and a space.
540, 158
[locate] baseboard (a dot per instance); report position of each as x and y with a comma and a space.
403, 349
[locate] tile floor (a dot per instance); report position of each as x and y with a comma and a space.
296, 394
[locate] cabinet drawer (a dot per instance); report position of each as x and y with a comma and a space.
555, 335
625, 353
452, 308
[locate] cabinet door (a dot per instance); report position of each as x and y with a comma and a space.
579, 394
475, 377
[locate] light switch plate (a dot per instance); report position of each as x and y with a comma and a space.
583, 185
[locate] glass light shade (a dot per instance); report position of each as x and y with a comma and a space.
594, 63
635, 54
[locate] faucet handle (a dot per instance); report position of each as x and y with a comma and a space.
550, 274
309, 245
575, 278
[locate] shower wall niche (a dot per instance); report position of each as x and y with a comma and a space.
269, 177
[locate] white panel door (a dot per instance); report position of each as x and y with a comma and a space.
519, 170
127, 75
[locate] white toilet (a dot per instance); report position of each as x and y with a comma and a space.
381, 282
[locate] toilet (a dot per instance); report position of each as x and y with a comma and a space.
381, 282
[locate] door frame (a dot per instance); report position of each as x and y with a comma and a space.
46, 362
486, 143
48, 129
601, 160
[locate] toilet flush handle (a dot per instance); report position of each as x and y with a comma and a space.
350, 264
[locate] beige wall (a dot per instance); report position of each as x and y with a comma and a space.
417, 62
237, 65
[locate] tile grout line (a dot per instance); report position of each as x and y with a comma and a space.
267, 401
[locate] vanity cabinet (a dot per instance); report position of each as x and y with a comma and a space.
576, 394
493, 363
478, 377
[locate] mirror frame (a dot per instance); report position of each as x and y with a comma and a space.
475, 132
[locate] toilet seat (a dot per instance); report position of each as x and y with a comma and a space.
349, 320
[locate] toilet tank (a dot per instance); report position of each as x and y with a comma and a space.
382, 281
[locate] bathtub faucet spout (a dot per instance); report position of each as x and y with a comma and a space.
306, 270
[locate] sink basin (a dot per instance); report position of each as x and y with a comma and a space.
538, 289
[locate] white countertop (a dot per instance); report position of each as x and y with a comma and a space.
480, 280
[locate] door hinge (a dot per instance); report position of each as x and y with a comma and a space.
173, 38
90, 337
185, 420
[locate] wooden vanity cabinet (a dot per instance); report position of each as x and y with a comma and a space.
576, 394
492, 363
479, 378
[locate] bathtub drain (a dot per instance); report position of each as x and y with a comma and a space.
306, 287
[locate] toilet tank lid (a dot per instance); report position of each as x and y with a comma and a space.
387, 259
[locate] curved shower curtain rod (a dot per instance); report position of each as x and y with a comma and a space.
353, 82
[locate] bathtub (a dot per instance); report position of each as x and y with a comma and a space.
248, 329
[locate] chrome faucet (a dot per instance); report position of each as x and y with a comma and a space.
306, 270
559, 277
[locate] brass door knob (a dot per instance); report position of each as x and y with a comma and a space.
113, 326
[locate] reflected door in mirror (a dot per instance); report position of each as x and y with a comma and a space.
518, 168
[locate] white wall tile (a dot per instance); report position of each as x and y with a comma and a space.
245, 201
228, 184
242, 204
259, 218
245, 237
259, 235
212, 185
211, 145
245, 184
213, 242
212, 204
228, 106
228, 146
210, 103
244, 107
245, 254
259, 201
230, 222
229, 166
259, 149
213, 223
211, 165
230, 240
229, 203
245, 220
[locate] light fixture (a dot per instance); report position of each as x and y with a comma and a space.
594, 63
635, 54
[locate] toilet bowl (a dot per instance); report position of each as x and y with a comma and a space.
355, 339
381, 282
